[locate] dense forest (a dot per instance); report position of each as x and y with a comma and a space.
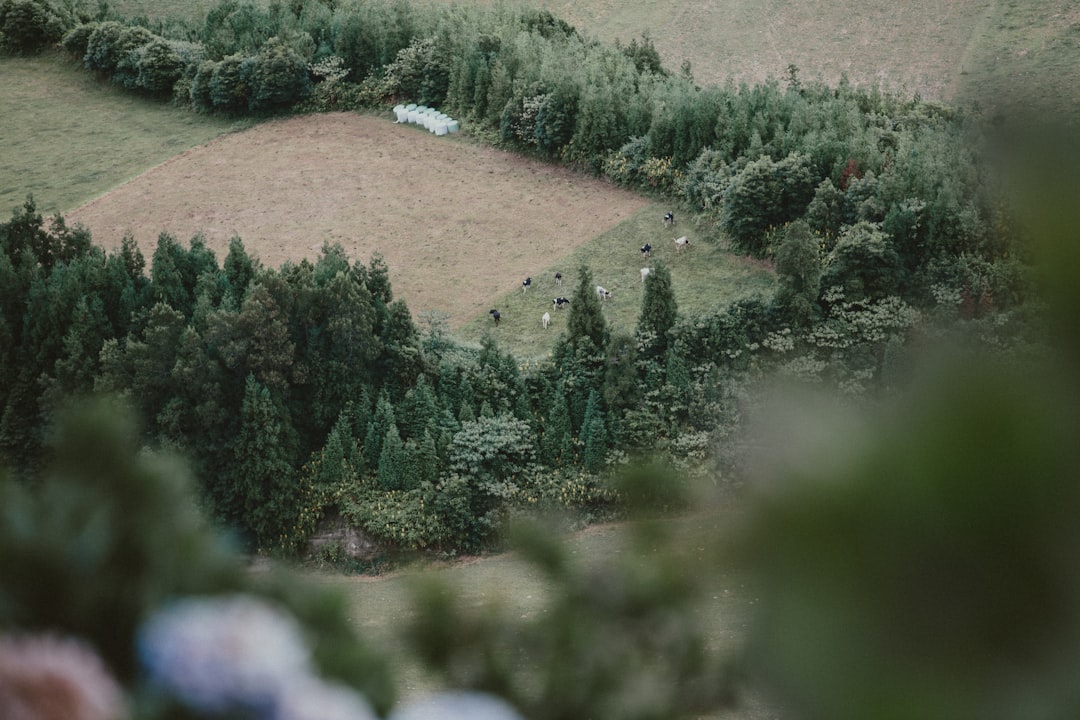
307, 390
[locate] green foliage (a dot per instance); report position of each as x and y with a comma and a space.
420, 72
798, 267
108, 45
586, 322
594, 435
763, 195
28, 26
77, 38
391, 472
110, 534
266, 481
941, 516
279, 77
658, 308
864, 264
594, 651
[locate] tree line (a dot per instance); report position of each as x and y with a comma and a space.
307, 389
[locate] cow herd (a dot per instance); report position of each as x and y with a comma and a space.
559, 303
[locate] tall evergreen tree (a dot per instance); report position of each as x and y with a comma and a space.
557, 445
376, 430
586, 316
594, 435
263, 465
658, 310
392, 466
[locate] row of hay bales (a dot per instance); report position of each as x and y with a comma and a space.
433, 120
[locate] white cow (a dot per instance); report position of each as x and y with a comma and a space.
602, 293
681, 242
546, 319
645, 273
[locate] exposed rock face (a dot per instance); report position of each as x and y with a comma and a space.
334, 530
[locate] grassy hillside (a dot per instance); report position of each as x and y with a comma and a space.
704, 277
962, 49
1027, 55
68, 138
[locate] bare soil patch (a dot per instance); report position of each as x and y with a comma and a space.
457, 222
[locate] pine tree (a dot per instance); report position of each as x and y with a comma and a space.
556, 445
266, 481
586, 316
392, 466
376, 430
658, 310
594, 435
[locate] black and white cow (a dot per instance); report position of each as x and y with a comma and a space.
669, 219
646, 250
560, 302
558, 279
525, 285
495, 316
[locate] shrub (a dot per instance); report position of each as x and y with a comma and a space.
864, 263
27, 26
155, 67
230, 85
766, 194
421, 72
279, 77
76, 39
109, 44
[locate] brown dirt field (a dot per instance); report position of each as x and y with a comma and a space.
457, 222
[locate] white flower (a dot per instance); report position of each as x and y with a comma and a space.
216, 654
459, 705
309, 698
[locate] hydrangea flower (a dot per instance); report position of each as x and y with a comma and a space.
52, 678
220, 654
457, 705
310, 698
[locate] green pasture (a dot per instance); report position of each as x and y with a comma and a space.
704, 275
1027, 56
68, 138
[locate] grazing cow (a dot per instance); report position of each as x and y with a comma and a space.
495, 316
602, 293
546, 319
669, 219
645, 273
560, 302
681, 242
646, 250
525, 285
558, 278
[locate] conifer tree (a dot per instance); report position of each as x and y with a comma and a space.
556, 445
376, 430
392, 466
263, 464
594, 435
586, 316
658, 310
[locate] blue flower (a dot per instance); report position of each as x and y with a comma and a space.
220, 654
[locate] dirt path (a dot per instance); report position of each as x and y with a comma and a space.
458, 223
